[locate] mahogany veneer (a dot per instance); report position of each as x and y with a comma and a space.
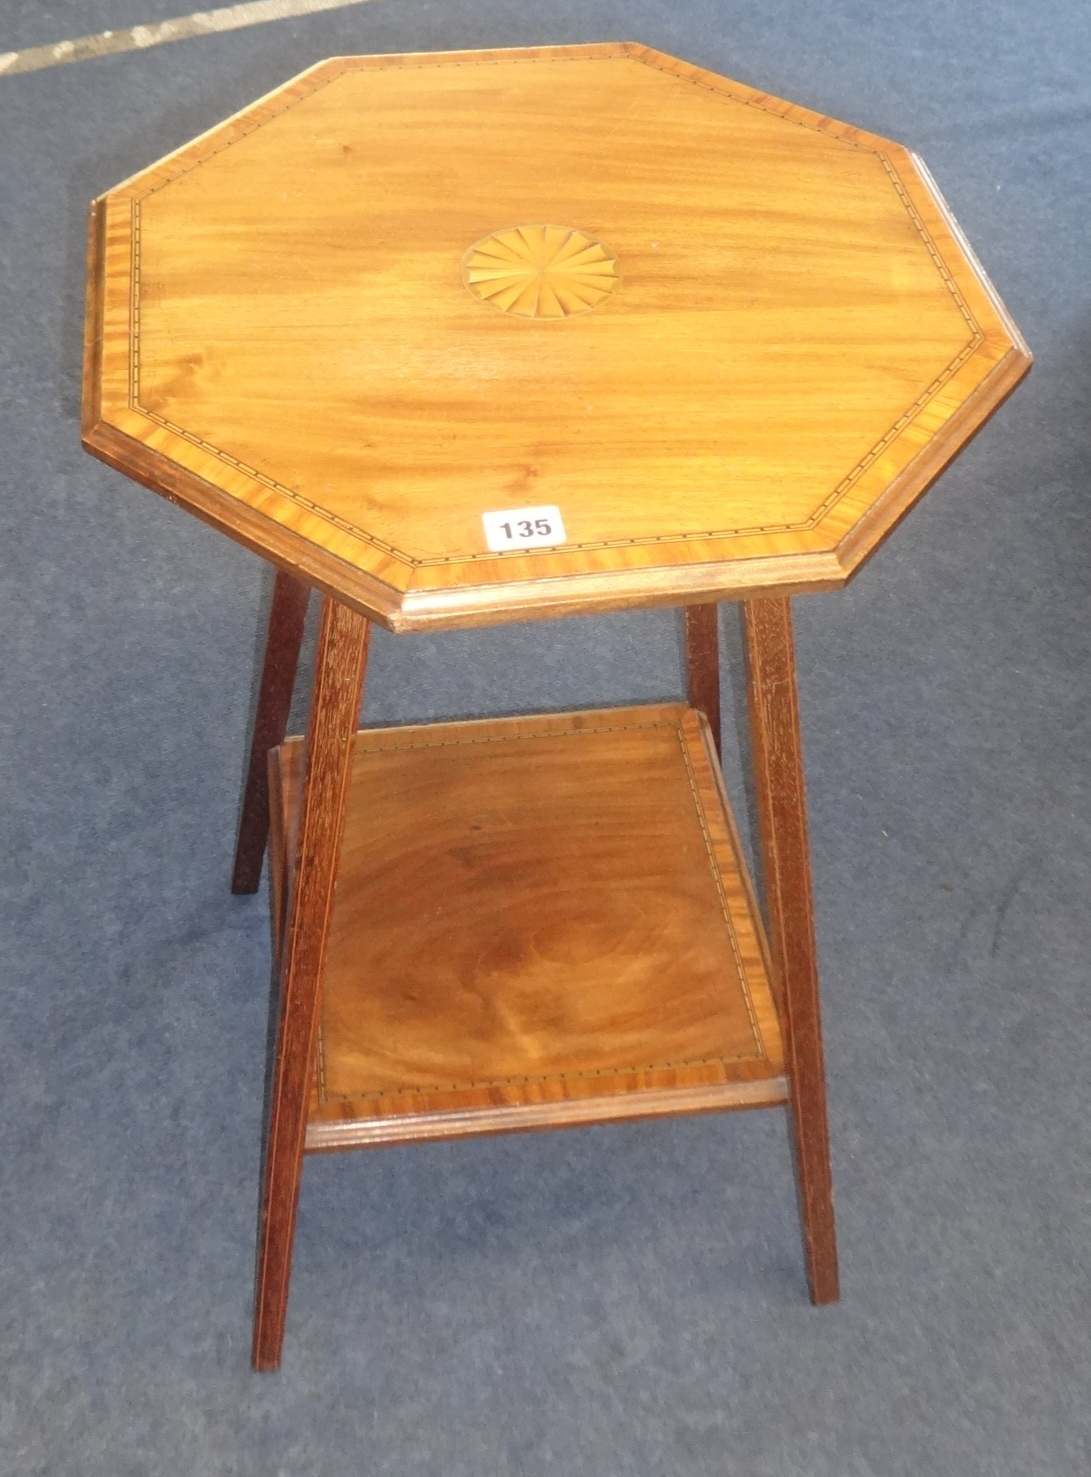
538, 921
468, 337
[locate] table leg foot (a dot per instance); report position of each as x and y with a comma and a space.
339, 676
782, 813
282, 644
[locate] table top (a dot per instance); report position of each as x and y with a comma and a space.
479, 336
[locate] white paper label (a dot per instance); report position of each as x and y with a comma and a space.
523, 528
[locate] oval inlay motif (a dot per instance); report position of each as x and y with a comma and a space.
540, 271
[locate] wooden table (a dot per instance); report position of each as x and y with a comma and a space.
476, 337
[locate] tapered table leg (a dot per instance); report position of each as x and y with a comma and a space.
338, 685
282, 643
782, 812
703, 663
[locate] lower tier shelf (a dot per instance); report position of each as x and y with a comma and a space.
538, 922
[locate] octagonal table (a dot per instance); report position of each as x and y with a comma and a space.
475, 337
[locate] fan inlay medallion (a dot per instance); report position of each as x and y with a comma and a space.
540, 271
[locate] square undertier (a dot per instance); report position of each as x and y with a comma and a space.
538, 922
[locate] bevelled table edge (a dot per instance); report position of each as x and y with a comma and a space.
324, 1137
548, 598
873, 529
272, 541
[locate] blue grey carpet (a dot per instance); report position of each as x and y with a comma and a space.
616, 1302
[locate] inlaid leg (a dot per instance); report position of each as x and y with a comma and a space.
782, 814
338, 684
703, 663
282, 642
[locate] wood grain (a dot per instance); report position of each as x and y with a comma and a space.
702, 625
782, 813
340, 663
539, 922
284, 637
798, 340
